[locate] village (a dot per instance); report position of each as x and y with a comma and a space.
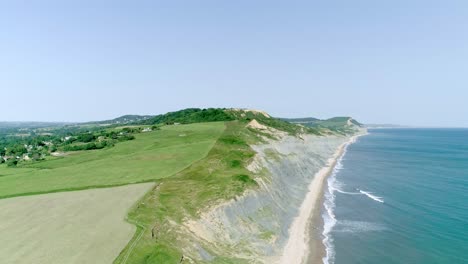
30, 145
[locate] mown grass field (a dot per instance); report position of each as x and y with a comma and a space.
151, 156
76, 227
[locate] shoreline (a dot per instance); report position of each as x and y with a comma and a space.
305, 243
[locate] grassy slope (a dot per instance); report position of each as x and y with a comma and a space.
221, 175
150, 156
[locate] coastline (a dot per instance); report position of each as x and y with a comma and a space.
305, 234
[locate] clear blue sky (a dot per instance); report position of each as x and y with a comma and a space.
402, 62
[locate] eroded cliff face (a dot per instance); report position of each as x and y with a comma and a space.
255, 227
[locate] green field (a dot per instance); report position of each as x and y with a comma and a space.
76, 227
151, 156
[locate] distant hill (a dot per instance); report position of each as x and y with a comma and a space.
335, 124
304, 120
342, 125
24, 128
125, 119
312, 125
197, 115
26, 124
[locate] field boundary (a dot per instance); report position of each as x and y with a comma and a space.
140, 231
75, 189
136, 237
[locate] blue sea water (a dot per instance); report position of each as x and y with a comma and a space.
399, 196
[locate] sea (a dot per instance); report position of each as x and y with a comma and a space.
399, 196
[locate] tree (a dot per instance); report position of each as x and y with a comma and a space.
12, 162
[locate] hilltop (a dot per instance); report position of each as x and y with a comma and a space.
37, 140
122, 120
289, 125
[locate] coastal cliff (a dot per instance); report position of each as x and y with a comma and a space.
253, 197
270, 224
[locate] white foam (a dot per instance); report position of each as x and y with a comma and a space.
357, 226
328, 216
337, 188
343, 192
373, 197
329, 221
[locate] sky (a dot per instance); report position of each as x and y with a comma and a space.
399, 62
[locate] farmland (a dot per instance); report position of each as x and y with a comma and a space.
151, 156
69, 227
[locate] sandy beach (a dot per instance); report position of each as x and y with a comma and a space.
305, 243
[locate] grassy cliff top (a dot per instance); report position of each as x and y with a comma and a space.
197, 115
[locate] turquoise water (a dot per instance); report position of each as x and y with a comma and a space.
400, 196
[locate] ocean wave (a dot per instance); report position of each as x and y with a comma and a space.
337, 186
373, 197
344, 192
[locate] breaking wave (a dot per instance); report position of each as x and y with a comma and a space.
373, 197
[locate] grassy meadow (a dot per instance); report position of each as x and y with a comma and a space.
151, 156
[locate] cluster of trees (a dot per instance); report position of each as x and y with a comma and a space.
89, 146
100, 139
190, 115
